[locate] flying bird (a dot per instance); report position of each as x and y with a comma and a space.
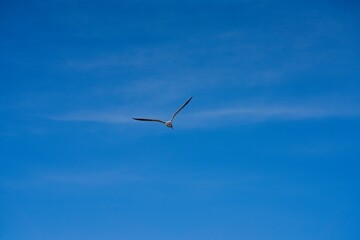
167, 123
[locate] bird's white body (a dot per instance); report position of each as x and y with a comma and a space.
169, 124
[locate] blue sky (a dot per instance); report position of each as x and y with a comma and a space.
267, 149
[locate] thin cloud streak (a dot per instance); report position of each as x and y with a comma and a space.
187, 180
269, 112
93, 116
262, 113
84, 179
246, 114
96, 178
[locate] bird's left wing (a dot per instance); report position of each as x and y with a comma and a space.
149, 120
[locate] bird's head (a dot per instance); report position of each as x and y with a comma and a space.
169, 124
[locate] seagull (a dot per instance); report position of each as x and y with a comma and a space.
167, 123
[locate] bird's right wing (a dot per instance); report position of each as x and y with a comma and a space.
149, 120
172, 118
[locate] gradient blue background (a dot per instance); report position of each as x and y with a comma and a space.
267, 149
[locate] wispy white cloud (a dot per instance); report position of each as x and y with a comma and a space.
239, 113
92, 116
269, 112
260, 113
187, 181
92, 178
78, 179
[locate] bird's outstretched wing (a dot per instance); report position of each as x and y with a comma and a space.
180, 108
149, 120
